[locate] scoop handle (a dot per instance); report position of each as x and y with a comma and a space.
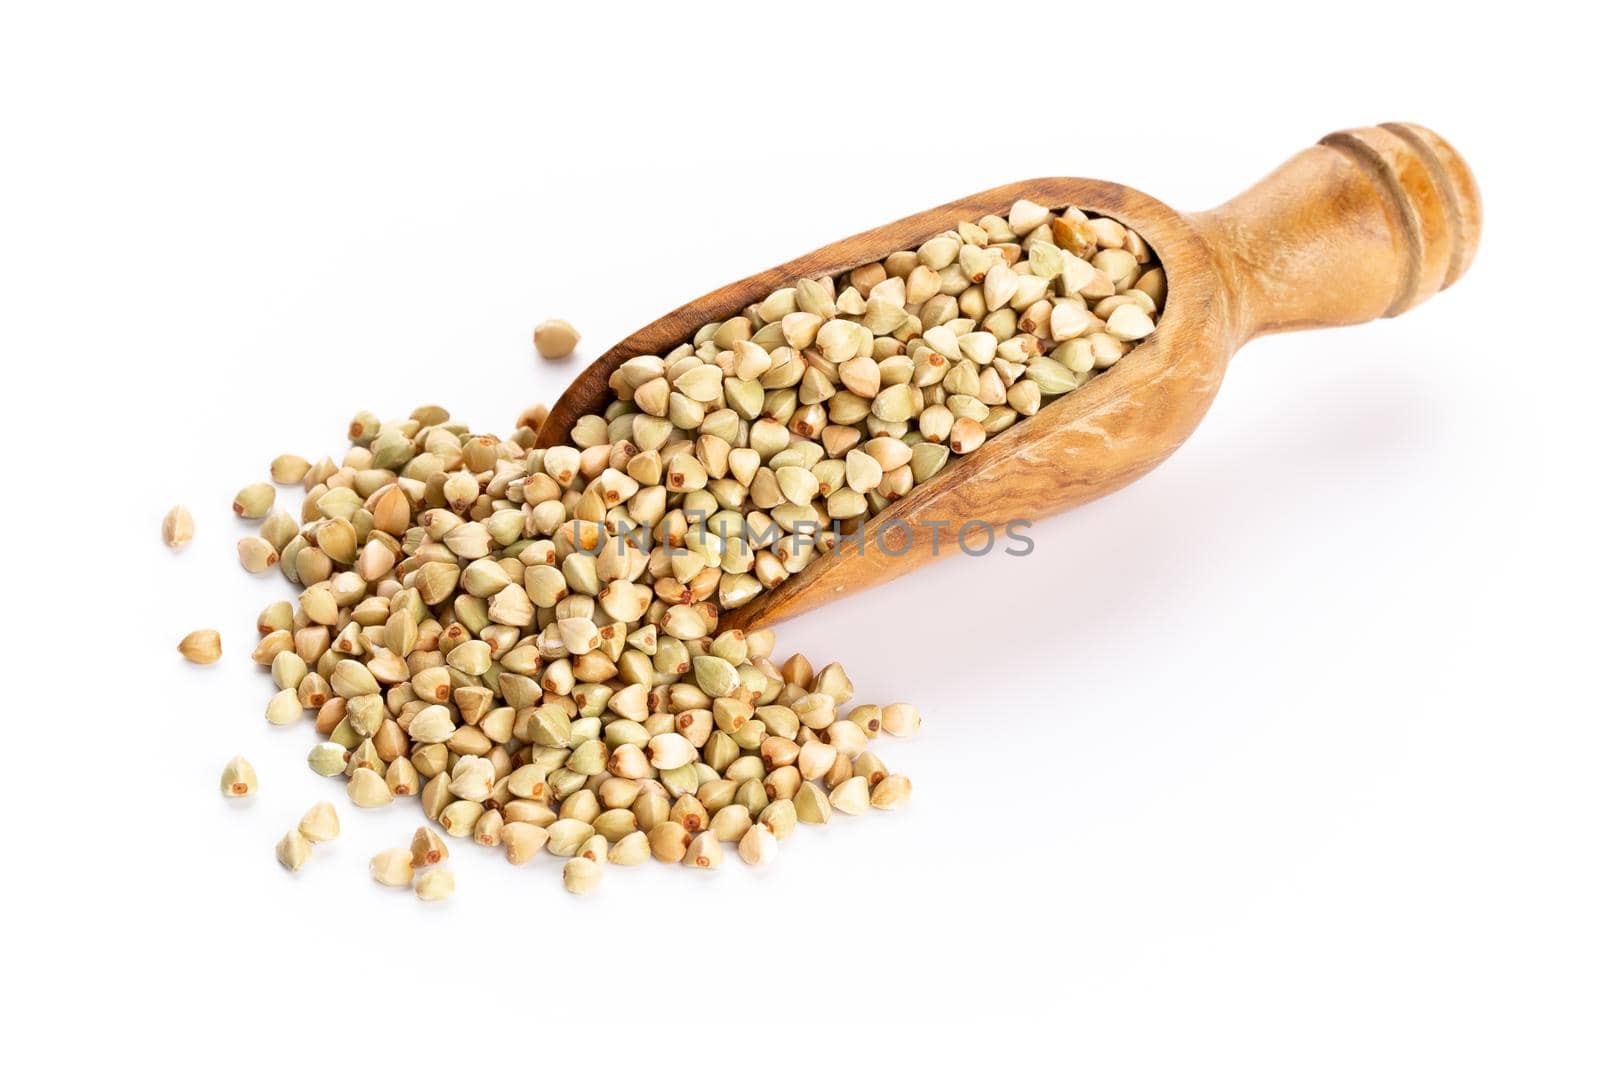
1368, 222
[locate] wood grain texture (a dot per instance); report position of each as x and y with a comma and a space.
1368, 222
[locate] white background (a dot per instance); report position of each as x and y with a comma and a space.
1285, 755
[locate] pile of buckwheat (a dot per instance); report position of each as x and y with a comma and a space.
527, 639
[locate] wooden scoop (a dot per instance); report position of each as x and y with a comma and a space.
1368, 222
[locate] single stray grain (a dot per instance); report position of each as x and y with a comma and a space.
321, 823
435, 883
555, 338
392, 867
579, 875
177, 529
293, 850
238, 778
201, 646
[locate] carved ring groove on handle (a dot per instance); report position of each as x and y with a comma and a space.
1422, 202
